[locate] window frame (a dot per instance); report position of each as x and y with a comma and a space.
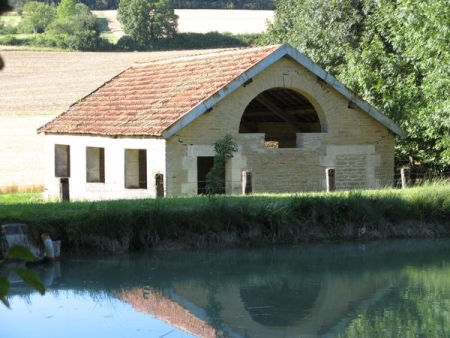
62, 160
140, 156
95, 165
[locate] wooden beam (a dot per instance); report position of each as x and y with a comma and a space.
281, 113
259, 112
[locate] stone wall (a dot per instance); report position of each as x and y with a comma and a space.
360, 148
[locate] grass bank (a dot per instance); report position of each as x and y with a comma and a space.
200, 221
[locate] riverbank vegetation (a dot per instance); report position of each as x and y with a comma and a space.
221, 221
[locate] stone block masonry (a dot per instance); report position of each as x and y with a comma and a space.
359, 148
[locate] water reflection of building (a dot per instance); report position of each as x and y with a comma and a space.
257, 308
153, 302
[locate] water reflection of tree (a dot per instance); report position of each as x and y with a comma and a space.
419, 307
213, 310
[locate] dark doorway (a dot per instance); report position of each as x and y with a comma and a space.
204, 165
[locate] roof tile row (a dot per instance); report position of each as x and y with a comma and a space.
149, 97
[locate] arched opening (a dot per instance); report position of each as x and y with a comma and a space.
280, 113
280, 303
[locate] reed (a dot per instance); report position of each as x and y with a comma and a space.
201, 221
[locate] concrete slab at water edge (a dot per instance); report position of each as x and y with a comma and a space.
17, 234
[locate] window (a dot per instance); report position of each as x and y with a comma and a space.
95, 164
62, 160
136, 168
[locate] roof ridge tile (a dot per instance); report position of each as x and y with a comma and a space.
207, 53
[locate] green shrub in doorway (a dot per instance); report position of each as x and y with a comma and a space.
224, 149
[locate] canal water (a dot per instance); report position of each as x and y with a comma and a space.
375, 289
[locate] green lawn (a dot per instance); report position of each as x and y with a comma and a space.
21, 198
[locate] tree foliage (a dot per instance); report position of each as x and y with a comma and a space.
394, 53
225, 4
4, 6
81, 20
148, 20
21, 253
36, 16
67, 8
71, 25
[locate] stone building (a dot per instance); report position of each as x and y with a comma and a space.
150, 130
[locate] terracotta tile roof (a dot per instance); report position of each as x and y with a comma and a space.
154, 303
149, 97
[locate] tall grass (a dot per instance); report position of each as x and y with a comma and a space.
200, 221
14, 189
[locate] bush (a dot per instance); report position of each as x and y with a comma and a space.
11, 40
128, 44
7, 29
78, 32
191, 41
75, 24
103, 45
83, 40
198, 41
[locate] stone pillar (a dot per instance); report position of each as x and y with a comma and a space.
247, 187
64, 189
331, 179
159, 183
406, 176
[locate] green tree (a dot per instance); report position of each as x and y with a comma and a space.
394, 53
67, 8
321, 29
147, 20
224, 150
80, 31
4, 7
36, 16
